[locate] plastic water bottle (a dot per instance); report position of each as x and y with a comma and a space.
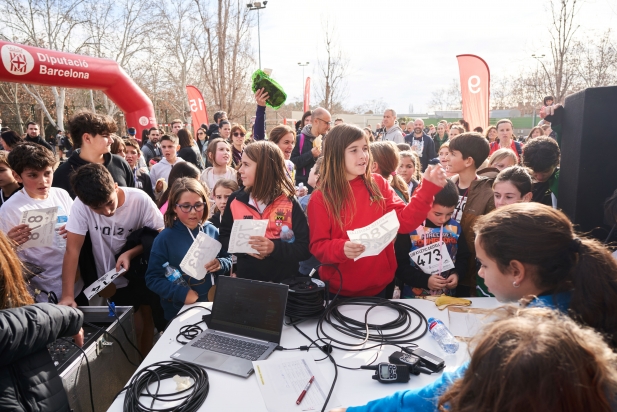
61, 221
442, 335
287, 235
173, 275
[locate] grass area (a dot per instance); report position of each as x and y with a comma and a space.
517, 122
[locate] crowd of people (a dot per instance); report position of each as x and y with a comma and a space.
488, 199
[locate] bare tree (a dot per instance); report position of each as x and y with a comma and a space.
373, 106
560, 73
14, 94
52, 24
332, 71
597, 61
225, 54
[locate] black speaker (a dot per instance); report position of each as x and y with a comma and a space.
588, 174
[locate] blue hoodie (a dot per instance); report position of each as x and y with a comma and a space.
425, 399
171, 246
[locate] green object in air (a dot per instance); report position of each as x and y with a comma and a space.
276, 94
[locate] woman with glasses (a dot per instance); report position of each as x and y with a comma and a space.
238, 133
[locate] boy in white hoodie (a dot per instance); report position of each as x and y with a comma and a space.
169, 147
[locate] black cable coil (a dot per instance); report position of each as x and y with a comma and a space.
191, 398
306, 298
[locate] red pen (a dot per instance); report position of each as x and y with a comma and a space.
308, 385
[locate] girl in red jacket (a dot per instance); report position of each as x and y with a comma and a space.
350, 197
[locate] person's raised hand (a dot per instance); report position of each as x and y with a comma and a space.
436, 175
261, 96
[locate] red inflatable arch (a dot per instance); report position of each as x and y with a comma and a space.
33, 65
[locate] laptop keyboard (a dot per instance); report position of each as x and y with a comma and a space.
230, 346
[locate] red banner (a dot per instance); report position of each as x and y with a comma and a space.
475, 90
197, 106
307, 95
33, 65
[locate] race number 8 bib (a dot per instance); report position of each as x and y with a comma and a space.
429, 257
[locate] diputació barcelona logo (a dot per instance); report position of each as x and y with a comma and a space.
16, 60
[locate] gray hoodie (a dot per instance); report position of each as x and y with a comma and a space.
394, 134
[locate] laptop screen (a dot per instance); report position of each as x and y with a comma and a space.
249, 308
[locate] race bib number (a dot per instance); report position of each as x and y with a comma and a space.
241, 232
428, 258
376, 236
42, 223
102, 283
203, 250
460, 207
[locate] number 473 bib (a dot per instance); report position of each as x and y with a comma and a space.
428, 258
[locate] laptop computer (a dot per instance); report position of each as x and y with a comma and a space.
246, 325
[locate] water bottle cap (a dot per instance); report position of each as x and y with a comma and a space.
285, 229
165, 264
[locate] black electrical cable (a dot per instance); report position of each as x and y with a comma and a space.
191, 331
112, 308
114, 338
191, 398
88, 366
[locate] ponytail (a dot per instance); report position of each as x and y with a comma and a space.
594, 283
543, 238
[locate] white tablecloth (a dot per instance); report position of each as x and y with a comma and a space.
232, 393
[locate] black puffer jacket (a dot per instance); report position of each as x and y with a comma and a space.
29, 380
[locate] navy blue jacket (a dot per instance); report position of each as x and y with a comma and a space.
428, 151
170, 246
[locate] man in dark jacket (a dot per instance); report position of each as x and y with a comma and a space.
152, 148
304, 153
421, 143
213, 129
29, 381
34, 137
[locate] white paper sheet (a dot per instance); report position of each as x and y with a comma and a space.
428, 258
102, 283
376, 236
241, 231
42, 223
282, 380
203, 250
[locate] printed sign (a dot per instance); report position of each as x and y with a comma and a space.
376, 236
42, 223
102, 283
241, 232
203, 250
428, 258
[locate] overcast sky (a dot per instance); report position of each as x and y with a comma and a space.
402, 50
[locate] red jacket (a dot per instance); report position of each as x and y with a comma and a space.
370, 275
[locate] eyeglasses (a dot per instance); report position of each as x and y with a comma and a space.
199, 207
328, 123
239, 134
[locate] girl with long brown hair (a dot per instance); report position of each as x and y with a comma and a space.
268, 194
350, 197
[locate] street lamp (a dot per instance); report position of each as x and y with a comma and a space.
538, 58
303, 65
257, 5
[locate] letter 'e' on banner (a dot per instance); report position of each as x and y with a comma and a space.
475, 90
197, 106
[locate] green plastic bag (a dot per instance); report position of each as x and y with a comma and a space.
277, 95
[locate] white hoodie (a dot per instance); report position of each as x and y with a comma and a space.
162, 169
394, 134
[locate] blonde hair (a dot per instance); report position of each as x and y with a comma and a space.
500, 155
13, 290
